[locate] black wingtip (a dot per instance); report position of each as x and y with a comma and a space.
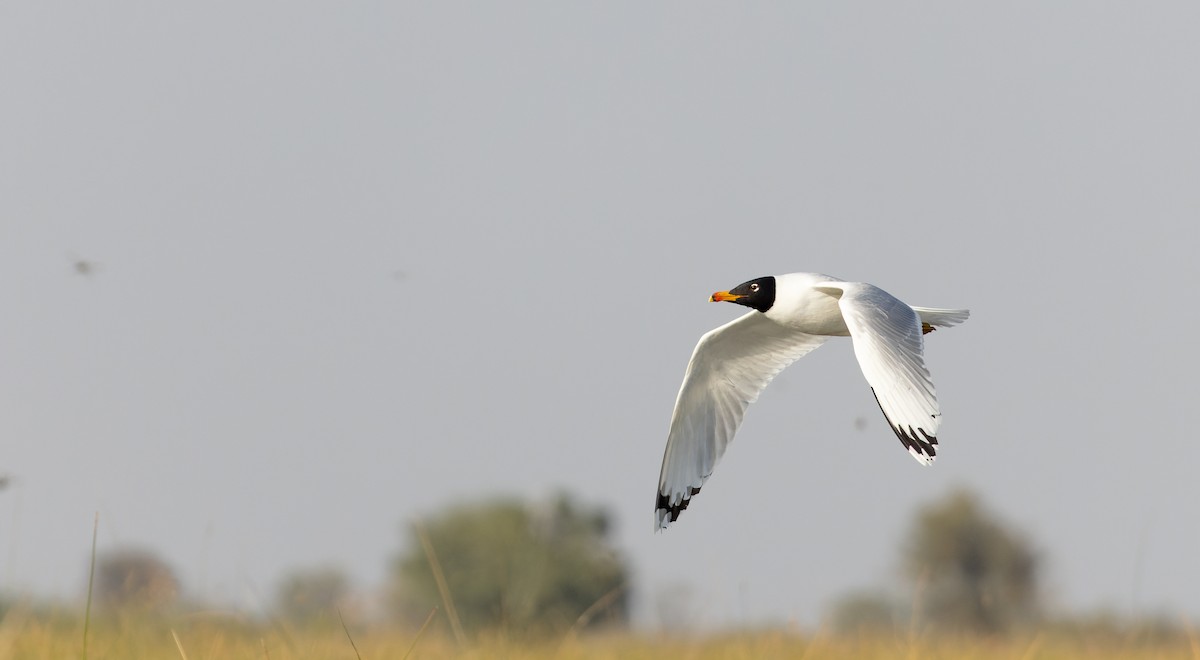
667, 513
926, 445
917, 441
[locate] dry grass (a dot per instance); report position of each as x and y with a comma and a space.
197, 638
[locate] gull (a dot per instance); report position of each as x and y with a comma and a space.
792, 315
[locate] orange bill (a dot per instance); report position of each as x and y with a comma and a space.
723, 296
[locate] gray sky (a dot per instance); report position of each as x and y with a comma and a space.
354, 262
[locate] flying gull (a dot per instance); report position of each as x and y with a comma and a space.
792, 315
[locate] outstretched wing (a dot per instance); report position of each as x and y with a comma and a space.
729, 368
889, 347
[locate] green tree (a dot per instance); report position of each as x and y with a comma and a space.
313, 596
865, 612
135, 579
970, 570
526, 569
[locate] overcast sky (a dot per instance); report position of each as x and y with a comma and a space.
350, 262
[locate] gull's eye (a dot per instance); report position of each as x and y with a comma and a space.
754, 287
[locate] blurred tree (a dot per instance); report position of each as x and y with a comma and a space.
528, 569
313, 596
134, 579
865, 612
970, 571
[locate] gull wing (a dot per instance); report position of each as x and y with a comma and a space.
729, 368
889, 347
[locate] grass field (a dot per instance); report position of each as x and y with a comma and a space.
194, 637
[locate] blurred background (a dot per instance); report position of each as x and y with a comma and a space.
280, 281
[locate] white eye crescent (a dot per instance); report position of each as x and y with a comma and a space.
754, 287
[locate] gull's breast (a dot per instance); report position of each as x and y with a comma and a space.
812, 312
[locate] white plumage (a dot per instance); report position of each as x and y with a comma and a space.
794, 314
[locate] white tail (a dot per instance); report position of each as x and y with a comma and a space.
942, 318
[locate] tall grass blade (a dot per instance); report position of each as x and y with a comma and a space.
917, 613
352, 644
443, 588
420, 632
602, 603
87, 611
1192, 639
178, 644
1033, 647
